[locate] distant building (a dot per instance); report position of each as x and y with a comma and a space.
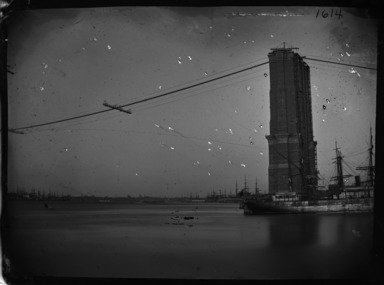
292, 149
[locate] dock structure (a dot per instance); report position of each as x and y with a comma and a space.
292, 149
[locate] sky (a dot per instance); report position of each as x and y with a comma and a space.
68, 62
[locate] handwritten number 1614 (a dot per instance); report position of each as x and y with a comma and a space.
326, 13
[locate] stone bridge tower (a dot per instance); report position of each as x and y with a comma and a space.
292, 149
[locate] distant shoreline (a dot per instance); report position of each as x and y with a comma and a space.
122, 200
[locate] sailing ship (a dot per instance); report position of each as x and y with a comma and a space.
338, 198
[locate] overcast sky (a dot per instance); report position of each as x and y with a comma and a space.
68, 62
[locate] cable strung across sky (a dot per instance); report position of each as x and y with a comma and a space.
15, 130
138, 101
340, 63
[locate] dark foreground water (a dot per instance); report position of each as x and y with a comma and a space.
155, 241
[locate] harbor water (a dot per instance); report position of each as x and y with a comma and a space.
192, 240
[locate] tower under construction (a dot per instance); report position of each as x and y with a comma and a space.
292, 149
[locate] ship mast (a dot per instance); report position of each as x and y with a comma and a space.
339, 168
245, 186
256, 189
370, 168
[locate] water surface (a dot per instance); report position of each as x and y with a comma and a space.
156, 241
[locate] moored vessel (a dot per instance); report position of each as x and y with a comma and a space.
339, 198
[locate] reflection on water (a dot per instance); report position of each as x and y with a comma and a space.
214, 241
329, 246
319, 230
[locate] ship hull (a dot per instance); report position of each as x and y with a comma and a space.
254, 207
